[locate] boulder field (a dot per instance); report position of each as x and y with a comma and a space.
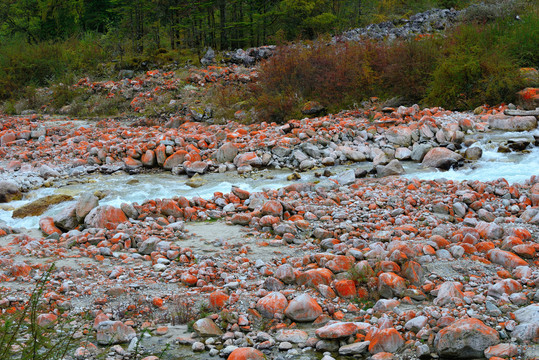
49, 147
349, 267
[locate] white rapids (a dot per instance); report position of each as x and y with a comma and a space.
514, 167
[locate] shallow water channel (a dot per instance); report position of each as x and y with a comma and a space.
119, 188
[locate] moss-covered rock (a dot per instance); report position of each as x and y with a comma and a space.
38, 207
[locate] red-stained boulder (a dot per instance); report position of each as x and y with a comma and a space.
148, 159
386, 340
337, 330
465, 339
315, 277
247, 354
505, 258
272, 304
106, 216
303, 308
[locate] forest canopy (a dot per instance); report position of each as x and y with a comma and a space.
220, 24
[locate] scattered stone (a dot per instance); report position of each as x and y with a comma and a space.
114, 332
206, 327
473, 153
9, 191
354, 349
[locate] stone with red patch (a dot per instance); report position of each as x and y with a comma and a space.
46, 225
106, 216
465, 339
303, 308
505, 258
337, 330
390, 285
315, 277
272, 304
345, 288
218, 300
247, 353
385, 340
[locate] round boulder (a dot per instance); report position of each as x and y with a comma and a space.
105, 217
9, 191
246, 353
441, 158
303, 308
272, 304
465, 339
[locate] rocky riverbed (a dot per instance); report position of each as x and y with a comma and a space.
332, 237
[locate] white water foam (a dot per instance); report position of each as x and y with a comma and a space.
493, 165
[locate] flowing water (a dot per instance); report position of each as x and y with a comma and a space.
514, 167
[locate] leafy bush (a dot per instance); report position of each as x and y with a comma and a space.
336, 76
23, 64
521, 39
408, 69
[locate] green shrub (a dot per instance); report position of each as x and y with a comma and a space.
521, 39
408, 69
23, 64
337, 76
472, 65
474, 70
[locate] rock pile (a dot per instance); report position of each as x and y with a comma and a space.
398, 266
426, 22
378, 266
433, 137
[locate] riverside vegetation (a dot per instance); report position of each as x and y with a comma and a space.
475, 62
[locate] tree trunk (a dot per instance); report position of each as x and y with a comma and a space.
222, 25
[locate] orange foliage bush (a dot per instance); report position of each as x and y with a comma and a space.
341, 75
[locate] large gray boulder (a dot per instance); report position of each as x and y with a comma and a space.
346, 178
419, 151
9, 191
441, 158
465, 339
85, 204
226, 153
393, 168
512, 123
528, 329
208, 58
66, 219
401, 136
